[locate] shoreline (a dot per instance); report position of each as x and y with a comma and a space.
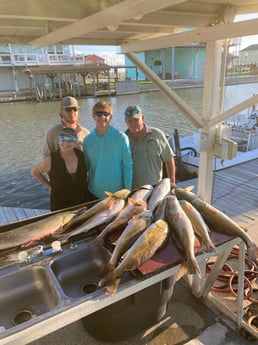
25, 96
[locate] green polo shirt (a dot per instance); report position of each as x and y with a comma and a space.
148, 155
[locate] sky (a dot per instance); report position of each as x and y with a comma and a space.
248, 40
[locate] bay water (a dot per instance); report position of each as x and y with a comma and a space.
23, 126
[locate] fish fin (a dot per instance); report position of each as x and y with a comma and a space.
189, 188
108, 193
132, 201
110, 204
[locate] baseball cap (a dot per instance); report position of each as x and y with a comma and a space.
69, 102
68, 132
133, 111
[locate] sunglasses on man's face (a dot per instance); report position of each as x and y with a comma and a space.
69, 110
102, 113
68, 139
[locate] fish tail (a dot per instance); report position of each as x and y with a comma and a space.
98, 241
252, 252
107, 269
189, 267
208, 247
110, 282
193, 267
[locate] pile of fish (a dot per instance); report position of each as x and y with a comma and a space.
143, 219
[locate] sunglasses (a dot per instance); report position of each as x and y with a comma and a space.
68, 139
130, 112
70, 109
102, 113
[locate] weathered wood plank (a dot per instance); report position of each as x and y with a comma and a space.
10, 214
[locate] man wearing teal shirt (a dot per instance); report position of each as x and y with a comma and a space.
107, 155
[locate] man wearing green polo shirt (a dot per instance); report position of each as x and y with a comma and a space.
150, 149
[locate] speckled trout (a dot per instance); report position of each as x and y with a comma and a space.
29, 233
104, 204
142, 250
98, 219
182, 230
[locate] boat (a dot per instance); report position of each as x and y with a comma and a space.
236, 143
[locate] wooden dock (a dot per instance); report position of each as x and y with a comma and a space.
235, 191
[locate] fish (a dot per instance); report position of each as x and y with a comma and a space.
142, 193
199, 226
136, 225
161, 189
182, 230
222, 223
185, 193
159, 212
29, 233
146, 245
97, 219
103, 204
133, 207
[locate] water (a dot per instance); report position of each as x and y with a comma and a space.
23, 126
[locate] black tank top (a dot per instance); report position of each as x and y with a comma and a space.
67, 189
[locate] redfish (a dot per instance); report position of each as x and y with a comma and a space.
136, 225
199, 225
182, 230
220, 222
161, 189
133, 207
142, 250
143, 193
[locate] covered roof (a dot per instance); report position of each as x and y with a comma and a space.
135, 25
251, 47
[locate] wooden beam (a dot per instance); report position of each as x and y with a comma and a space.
217, 32
120, 12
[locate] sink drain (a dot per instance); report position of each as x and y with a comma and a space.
22, 316
89, 288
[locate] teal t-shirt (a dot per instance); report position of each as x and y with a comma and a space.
109, 161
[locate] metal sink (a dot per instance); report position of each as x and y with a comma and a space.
78, 272
25, 294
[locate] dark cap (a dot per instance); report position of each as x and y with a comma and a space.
69, 102
68, 132
133, 112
